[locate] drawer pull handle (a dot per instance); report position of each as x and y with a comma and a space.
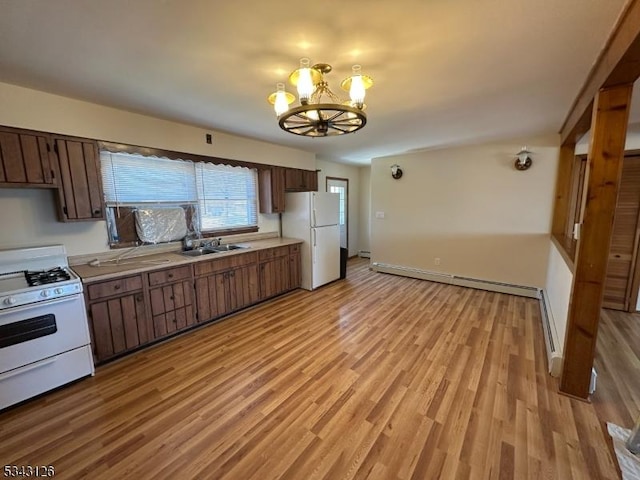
22, 370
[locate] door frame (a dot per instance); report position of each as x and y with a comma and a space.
346, 202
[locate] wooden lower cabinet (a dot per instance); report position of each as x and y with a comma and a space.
295, 267
171, 299
275, 277
128, 312
225, 285
118, 321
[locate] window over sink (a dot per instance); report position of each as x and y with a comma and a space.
217, 199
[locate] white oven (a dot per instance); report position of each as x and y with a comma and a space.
44, 335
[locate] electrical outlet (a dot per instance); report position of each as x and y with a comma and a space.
379, 214
436, 261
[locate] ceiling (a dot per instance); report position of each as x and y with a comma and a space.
446, 72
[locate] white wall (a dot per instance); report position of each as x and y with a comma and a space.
468, 207
30, 213
365, 209
332, 169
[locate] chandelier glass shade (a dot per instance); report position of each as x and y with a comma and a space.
321, 112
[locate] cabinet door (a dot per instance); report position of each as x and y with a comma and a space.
24, 159
294, 180
298, 180
310, 180
295, 270
118, 324
210, 297
274, 277
243, 287
271, 190
172, 308
81, 196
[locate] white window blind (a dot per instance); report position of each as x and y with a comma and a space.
134, 180
227, 196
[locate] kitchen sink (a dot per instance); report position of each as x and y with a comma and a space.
227, 248
198, 252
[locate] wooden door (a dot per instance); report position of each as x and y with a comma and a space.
118, 324
209, 294
243, 286
81, 194
274, 277
619, 284
24, 159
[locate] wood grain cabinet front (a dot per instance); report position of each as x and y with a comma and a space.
25, 159
118, 319
271, 191
274, 271
298, 180
80, 194
226, 284
171, 297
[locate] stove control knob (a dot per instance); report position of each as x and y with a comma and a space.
58, 291
45, 293
10, 301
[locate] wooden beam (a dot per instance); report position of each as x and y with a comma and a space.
617, 64
606, 151
563, 190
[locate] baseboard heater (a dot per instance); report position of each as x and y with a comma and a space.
552, 343
460, 281
364, 254
551, 340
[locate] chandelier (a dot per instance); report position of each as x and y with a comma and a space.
321, 113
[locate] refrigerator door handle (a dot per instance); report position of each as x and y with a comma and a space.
314, 253
315, 222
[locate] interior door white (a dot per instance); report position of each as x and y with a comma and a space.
341, 187
325, 255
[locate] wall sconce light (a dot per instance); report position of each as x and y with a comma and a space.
396, 171
523, 159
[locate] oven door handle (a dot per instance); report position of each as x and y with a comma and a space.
28, 368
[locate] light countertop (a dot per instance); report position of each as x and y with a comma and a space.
132, 265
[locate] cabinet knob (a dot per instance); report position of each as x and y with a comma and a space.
116, 287
97, 211
171, 297
170, 275
138, 298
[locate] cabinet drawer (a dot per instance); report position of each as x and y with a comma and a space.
270, 253
225, 263
169, 275
294, 248
114, 287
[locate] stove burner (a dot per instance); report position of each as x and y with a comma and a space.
54, 275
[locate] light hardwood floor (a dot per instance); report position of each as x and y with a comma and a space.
617, 396
378, 377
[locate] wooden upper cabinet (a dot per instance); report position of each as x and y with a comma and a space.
80, 192
24, 159
297, 180
271, 184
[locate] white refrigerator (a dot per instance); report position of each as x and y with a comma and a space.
313, 217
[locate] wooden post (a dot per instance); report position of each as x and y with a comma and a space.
606, 151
